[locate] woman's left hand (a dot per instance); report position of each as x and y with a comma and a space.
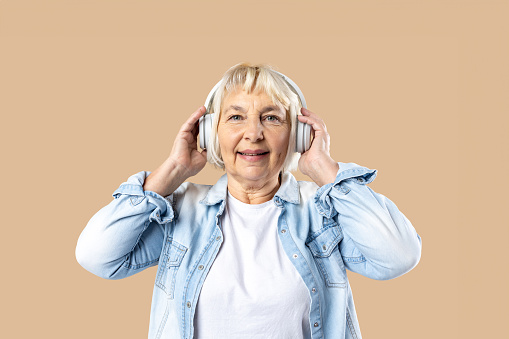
316, 162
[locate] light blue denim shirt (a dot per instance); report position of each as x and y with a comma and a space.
324, 231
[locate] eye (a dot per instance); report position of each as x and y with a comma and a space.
272, 118
235, 117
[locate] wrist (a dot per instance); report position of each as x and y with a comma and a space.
165, 179
175, 170
325, 172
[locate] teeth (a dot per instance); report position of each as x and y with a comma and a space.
252, 153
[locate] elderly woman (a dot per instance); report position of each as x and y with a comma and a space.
258, 254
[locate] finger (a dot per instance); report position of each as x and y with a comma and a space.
317, 124
314, 116
307, 112
195, 130
190, 124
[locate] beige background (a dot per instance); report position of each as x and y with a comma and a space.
94, 91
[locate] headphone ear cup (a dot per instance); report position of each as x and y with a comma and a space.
205, 129
303, 137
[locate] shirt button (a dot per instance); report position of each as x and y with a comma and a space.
283, 231
324, 247
295, 256
313, 290
218, 238
200, 267
315, 324
188, 304
157, 215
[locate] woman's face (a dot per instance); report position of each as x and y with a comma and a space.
253, 136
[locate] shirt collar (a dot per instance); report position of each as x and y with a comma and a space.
288, 191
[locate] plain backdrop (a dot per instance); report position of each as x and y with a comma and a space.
92, 92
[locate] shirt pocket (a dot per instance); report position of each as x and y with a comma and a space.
324, 247
172, 256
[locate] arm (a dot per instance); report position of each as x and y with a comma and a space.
378, 240
126, 236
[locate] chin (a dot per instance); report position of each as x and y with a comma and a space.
254, 174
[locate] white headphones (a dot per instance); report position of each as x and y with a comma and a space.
303, 133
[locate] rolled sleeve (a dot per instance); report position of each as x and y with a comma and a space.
361, 175
163, 212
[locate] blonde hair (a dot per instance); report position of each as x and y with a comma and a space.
253, 78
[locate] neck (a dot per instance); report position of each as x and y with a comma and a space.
253, 192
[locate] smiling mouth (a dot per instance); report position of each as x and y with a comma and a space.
253, 154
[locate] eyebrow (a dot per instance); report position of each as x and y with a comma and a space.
264, 110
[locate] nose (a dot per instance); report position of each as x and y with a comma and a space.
254, 129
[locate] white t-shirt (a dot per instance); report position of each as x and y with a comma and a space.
252, 289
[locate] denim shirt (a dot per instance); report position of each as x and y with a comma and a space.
323, 230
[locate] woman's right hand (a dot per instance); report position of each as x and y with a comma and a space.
184, 161
185, 153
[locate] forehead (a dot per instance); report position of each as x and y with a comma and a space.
241, 99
